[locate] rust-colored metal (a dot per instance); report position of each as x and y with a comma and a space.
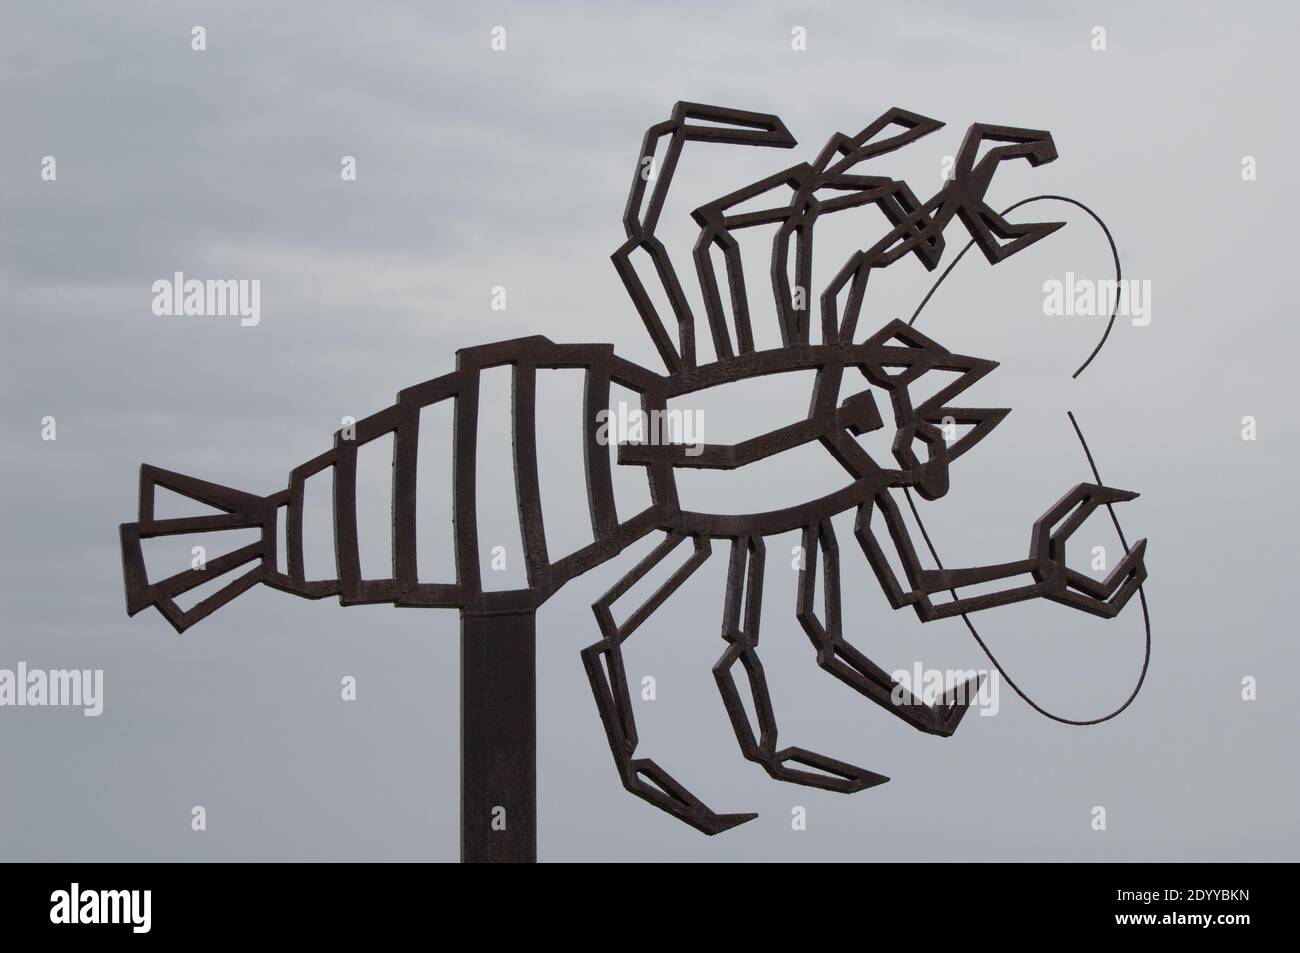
498, 708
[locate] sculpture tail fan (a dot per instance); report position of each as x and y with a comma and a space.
231, 510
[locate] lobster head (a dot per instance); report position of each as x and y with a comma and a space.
903, 362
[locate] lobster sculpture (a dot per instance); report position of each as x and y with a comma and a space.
879, 368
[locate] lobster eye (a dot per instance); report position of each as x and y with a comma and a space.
860, 414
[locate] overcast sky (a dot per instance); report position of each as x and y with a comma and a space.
479, 169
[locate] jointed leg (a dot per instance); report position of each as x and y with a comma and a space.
604, 664
740, 629
852, 667
1050, 577
689, 121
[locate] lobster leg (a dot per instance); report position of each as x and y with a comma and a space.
852, 667
740, 629
689, 122
604, 663
1048, 575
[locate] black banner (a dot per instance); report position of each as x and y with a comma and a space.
136, 902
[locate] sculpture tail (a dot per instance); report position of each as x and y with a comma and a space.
232, 510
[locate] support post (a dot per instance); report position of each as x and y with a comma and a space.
498, 738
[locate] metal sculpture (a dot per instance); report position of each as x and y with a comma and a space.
497, 627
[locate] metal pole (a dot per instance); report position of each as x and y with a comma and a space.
498, 738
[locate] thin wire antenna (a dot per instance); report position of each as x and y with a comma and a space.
1114, 252
1146, 615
